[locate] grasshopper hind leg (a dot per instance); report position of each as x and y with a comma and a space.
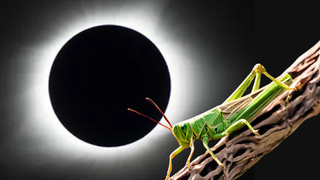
296, 88
257, 70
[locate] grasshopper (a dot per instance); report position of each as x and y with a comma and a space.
235, 112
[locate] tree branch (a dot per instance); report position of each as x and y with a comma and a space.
242, 149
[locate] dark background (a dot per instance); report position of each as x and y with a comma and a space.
222, 42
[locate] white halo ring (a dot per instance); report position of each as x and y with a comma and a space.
47, 129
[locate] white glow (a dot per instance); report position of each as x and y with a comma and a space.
39, 113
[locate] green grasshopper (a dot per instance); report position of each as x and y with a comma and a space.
233, 114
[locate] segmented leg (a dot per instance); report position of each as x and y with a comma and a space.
296, 88
256, 72
235, 126
256, 84
191, 153
172, 155
205, 144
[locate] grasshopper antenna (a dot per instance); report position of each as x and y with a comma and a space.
150, 118
165, 117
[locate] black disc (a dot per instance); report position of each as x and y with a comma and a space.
100, 73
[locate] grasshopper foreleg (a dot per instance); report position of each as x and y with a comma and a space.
177, 151
174, 153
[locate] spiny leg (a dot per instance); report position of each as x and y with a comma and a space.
242, 87
256, 71
191, 153
205, 144
174, 153
260, 69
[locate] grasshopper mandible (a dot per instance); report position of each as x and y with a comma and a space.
235, 112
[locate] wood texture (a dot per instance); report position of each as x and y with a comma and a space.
242, 149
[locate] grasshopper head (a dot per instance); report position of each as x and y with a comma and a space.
183, 133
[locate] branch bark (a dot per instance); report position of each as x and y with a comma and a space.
242, 149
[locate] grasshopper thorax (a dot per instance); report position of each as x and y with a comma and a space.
183, 133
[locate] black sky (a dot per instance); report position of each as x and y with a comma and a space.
227, 39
